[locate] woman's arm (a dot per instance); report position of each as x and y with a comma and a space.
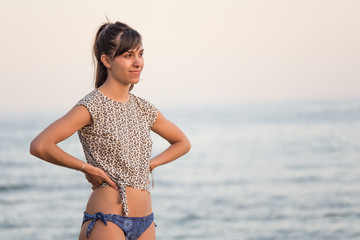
179, 143
44, 146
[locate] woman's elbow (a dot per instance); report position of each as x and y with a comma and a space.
187, 145
36, 148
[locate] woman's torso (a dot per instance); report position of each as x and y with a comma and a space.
119, 142
108, 200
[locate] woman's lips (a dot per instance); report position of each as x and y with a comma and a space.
137, 73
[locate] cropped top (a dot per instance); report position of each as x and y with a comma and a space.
118, 141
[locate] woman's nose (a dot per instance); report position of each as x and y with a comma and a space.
138, 62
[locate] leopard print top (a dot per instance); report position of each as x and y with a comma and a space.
119, 139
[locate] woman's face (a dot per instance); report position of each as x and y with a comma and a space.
127, 67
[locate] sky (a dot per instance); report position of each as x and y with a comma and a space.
197, 52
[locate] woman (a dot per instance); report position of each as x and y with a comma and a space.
114, 130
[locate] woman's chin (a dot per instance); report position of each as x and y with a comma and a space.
135, 81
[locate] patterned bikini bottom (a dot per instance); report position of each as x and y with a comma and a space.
133, 227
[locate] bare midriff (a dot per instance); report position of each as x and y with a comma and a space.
108, 200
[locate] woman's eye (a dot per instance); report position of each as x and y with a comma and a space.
128, 55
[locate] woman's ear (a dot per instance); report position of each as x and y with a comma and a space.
105, 60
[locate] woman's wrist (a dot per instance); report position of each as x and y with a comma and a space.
82, 168
152, 166
85, 168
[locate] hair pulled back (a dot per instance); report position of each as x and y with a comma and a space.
112, 40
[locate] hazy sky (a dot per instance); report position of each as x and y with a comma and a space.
196, 51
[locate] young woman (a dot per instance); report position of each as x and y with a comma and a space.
114, 129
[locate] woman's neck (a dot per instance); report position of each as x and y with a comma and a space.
115, 90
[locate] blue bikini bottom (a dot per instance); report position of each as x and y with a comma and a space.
133, 227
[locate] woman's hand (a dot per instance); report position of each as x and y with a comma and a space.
179, 143
97, 176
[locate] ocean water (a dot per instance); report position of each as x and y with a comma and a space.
255, 172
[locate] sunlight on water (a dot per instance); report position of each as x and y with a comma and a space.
281, 171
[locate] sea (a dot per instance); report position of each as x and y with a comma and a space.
256, 171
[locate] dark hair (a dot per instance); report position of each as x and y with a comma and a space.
112, 39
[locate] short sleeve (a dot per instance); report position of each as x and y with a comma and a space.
152, 114
149, 111
88, 102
